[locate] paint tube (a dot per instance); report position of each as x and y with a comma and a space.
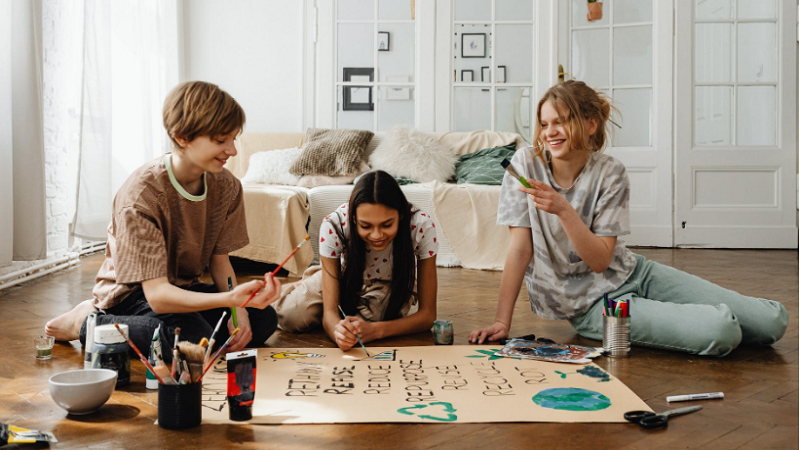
150, 381
10, 434
91, 321
241, 384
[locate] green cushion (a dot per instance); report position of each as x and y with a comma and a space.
483, 167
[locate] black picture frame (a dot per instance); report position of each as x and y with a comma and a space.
380, 41
486, 75
347, 91
471, 76
501, 74
467, 51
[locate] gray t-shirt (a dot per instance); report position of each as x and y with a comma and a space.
560, 285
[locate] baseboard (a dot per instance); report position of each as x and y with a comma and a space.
737, 237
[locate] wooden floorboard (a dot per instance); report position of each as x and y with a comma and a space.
760, 409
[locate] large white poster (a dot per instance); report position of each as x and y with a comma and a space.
433, 384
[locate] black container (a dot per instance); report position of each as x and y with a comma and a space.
239, 412
113, 357
180, 405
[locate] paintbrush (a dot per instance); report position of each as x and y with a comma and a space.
344, 316
141, 356
510, 169
278, 268
211, 341
211, 362
162, 371
233, 310
176, 359
192, 352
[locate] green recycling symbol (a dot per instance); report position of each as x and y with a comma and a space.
448, 408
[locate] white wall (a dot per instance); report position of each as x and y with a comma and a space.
61, 89
6, 154
253, 49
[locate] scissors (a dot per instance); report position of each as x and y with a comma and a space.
649, 420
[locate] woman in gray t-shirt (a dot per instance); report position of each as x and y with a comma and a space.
565, 244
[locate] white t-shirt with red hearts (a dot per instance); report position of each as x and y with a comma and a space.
335, 229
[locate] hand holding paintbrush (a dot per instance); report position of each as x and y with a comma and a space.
272, 274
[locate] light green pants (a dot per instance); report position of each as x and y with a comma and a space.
674, 310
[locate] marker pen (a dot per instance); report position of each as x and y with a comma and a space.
689, 397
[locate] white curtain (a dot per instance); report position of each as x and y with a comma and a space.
131, 59
22, 180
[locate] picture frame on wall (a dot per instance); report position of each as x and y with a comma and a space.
357, 98
466, 76
486, 75
501, 74
383, 41
473, 45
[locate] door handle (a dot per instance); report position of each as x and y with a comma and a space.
561, 73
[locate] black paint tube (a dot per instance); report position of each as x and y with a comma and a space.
241, 384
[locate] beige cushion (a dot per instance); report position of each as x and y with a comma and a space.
332, 152
464, 143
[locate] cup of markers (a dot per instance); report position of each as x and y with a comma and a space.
616, 327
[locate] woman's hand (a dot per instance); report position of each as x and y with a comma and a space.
345, 333
546, 198
496, 331
245, 333
270, 291
347, 330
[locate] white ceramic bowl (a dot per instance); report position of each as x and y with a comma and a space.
82, 391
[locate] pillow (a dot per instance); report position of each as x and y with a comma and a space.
272, 167
312, 181
414, 155
483, 167
465, 143
331, 152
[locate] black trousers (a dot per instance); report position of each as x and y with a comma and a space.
142, 322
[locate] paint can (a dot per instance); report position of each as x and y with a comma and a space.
617, 336
443, 332
110, 351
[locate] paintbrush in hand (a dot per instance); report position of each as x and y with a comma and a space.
278, 268
344, 316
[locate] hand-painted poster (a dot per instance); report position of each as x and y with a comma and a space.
433, 384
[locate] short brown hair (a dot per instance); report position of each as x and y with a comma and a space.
580, 103
197, 108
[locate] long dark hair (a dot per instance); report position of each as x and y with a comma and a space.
378, 187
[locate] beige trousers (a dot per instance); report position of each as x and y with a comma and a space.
300, 306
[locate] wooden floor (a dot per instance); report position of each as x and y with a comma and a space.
760, 409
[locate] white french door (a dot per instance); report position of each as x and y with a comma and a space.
736, 124
627, 54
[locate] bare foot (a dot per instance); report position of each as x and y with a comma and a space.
67, 327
